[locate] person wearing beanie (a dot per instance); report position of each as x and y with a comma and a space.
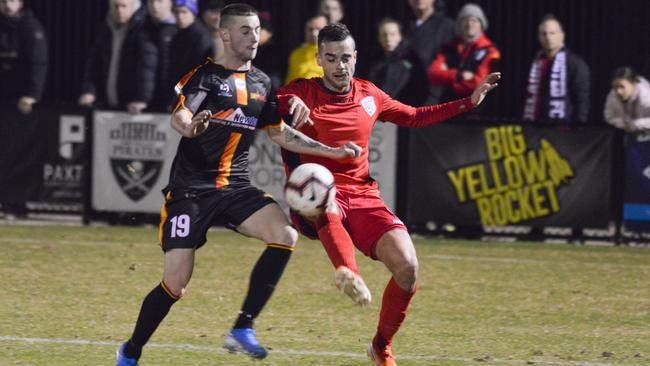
461, 65
191, 45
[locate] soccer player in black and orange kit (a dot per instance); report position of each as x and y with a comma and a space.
344, 108
209, 180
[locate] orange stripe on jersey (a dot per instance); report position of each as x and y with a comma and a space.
240, 86
178, 88
222, 114
163, 218
226, 159
277, 125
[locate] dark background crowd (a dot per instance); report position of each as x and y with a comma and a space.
604, 34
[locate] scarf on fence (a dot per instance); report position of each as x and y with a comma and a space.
556, 90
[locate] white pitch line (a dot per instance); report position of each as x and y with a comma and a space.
294, 352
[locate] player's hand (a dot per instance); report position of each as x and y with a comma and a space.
25, 104
190, 126
300, 112
348, 150
199, 123
489, 83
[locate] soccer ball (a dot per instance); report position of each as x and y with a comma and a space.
308, 188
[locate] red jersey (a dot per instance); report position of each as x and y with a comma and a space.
342, 117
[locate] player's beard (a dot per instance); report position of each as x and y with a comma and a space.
340, 84
247, 55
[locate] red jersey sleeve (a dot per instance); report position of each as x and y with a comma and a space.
408, 116
295, 88
488, 65
439, 75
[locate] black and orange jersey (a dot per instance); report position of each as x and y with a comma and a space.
240, 102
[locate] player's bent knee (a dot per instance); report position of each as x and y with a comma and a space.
174, 291
406, 275
285, 235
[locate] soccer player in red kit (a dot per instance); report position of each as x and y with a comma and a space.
342, 108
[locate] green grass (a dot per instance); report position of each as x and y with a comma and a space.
478, 303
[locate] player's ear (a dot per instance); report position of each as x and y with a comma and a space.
319, 59
224, 34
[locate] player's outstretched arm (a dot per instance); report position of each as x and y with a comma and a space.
190, 126
293, 140
489, 83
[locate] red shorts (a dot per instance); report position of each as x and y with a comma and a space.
365, 216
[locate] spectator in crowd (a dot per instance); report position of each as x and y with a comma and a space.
333, 10
267, 59
302, 61
23, 70
192, 44
462, 65
160, 27
396, 69
628, 103
426, 34
211, 18
23, 56
121, 69
558, 83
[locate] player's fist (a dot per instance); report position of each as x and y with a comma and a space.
349, 150
489, 83
200, 122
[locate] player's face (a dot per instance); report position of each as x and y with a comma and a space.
243, 36
338, 60
159, 9
10, 8
551, 36
623, 88
184, 17
122, 11
389, 36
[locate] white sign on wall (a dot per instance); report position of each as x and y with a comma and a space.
132, 157
267, 171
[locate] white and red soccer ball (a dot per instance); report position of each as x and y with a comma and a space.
308, 188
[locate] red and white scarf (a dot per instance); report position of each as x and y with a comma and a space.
556, 89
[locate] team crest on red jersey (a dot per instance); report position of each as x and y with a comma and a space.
368, 103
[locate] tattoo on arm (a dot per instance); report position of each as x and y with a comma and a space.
294, 138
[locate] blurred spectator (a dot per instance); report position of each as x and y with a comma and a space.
23, 56
558, 83
192, 43
462, 65
267, 59
396, 69
302, 61
628, 103
426, 34
211, 18
23, 71
333, 10
121, 68
160, 27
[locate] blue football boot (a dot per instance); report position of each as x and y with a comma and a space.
243, 340
122, 360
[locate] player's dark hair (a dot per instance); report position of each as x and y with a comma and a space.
550, 16
335, 32
627, 73
234, 10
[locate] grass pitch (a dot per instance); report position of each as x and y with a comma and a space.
70, 295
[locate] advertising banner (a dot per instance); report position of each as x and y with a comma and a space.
636, 201
510, 175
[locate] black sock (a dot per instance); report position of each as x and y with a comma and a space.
154, 309
265, 276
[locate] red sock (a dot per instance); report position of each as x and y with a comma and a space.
336, 241
393, 311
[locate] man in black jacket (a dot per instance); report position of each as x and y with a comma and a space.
160, 28
425, 35
23, 71
559, 84
121, 68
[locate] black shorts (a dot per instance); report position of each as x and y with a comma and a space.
187, 215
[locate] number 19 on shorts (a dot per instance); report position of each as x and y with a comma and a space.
180, 226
